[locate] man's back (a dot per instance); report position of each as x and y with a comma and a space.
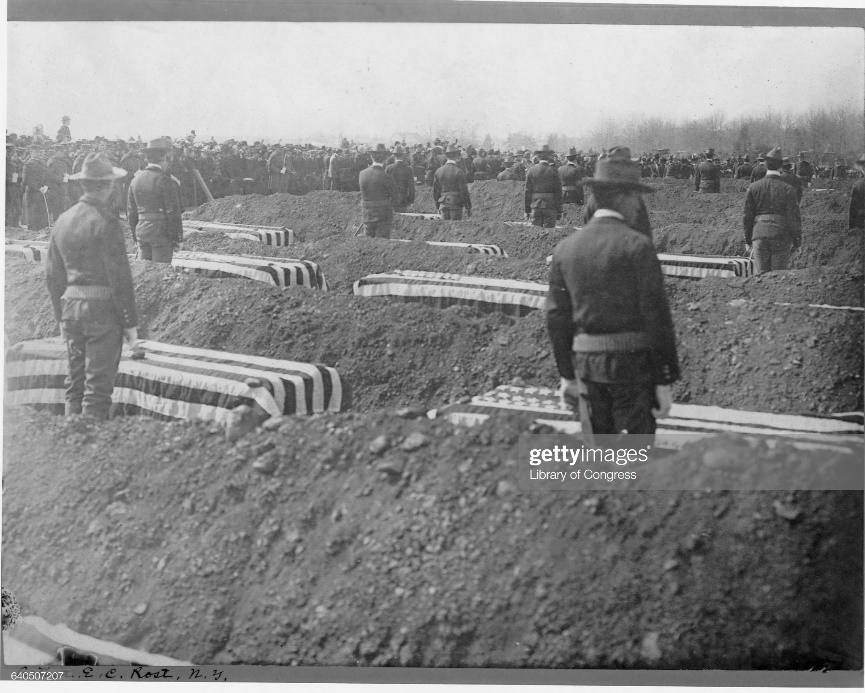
403, 176
543, 178
376, 185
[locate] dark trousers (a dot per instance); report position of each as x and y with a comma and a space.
157, 251
544, 217
451, 213
378, 229
617, 407
94, 356
771, 254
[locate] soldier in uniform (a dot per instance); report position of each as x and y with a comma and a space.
403, 176
450, 188
857, 199
494, 164
771, 218
760, 169
791, 178
543, 196
378, 194
639, 221
743, 170
58, 201
839, 172
132, 162
608, 316
571, 175
153, 205
63, 134
13, 186
804, 170
91, 290
35, 179
508, 173
707, 177
481, 167
520, 167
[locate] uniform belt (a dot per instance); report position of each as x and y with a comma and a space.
374, 204
770, 217
74, 291
569, 188
618, 341
152, 216
543, 196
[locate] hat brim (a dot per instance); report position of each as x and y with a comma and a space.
116, 174
625, 185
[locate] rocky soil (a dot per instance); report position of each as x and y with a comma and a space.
374, 538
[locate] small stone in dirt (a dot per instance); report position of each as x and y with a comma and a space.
785, 511
504, 488
414, 441
274, 422
266, 464
693, 306
517, 382
139, 609
392, 467
737, 302
409, 413
379, 445
811, 342
240, 421
671, 564
650, 649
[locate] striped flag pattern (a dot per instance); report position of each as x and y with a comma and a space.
269, 235
179, 382
545, 405
442, 290
280, 272
705, 266
483, 248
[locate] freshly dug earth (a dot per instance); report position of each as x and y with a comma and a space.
753, 356
424, 553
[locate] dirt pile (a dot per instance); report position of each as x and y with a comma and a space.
423, 553
750, 355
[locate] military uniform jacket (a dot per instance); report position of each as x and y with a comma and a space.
543, 179
403, 176
571, 175
743, 170
154, 198
707, 177
804, 170
857, 205
839, 172
450, 187
131, 163
771, 195
378, 193
35, 174
758, 172
606, 279
642, 224
792, 179
87, 249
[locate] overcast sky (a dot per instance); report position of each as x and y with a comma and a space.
292, 81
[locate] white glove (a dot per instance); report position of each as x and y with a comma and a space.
65, 177
130, 336
283, 170
43, 189
665, 401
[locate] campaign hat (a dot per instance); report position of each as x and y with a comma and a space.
160, 144
618, 170
97, 166
774, 154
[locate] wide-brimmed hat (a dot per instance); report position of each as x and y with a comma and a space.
398, 150
774, 154
379, 149
572, 152
509, 161
802, 155
710, 152
160, 144
98, 167
617, 170
860, 159
451, 151
64, 119
544, 151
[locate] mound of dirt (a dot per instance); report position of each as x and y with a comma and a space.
423, 553
754, 356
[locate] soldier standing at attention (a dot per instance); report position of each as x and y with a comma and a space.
543, 197
508, 173
153, 205
771, 219
607, 313
63, 134
450, 188
378, 194
403, 176
759, 169
839, 172
90, 283
707, 177
791, 178
857, 198
804, 170
572, 175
